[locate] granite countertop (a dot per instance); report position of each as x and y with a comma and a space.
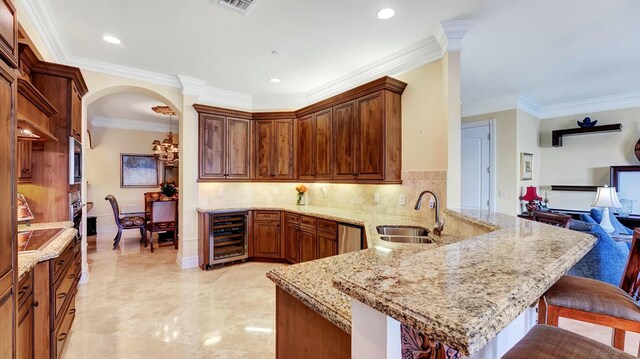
28, 259
458, 292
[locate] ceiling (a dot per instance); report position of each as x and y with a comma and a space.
129, 111
547, 51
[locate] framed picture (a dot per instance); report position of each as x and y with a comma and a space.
138, 170
526, 166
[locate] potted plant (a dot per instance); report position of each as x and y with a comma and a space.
168, 189
301, 189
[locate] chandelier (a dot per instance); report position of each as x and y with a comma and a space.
166, 151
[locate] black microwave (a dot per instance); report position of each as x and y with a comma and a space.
75, 161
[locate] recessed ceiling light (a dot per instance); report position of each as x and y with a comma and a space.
274, 80
386, 13
111, 39
275, 53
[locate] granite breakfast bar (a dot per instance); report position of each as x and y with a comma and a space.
463, 293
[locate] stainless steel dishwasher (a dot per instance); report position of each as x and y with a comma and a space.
349, 238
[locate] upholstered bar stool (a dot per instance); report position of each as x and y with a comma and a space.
598, 302
546, 342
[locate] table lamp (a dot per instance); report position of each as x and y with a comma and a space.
607, 197
531, 197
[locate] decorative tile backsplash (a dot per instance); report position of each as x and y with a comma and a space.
346, 196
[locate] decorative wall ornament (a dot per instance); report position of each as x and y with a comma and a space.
587, 123
526, 166
138, 170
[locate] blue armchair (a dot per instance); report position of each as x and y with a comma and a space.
607, 259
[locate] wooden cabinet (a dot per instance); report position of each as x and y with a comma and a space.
292, 241
8, 33
308, 244
370, 137
224, 147
313, 154
266, 234
344, 141
7, 328
75, 128
274, 149
327, 238
25, 348
25, 161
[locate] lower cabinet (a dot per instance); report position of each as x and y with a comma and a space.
292, 242
327, 245
7, 310
308, 244
25, 335
266, 234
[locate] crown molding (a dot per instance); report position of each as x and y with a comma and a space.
449, 34
529, 106
420, 53
127, 124
226, 98
191, 86
44, 20
123, 71
591, 105
279, 102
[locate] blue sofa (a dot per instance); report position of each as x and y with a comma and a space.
607, 259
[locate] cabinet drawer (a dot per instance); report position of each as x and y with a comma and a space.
25, 287
59, 263
292, 217
61, 334
266, 215
328, 226
309, 222
63, 288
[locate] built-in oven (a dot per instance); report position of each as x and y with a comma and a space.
75, 161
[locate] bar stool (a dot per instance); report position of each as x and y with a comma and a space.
547, 342
597, 302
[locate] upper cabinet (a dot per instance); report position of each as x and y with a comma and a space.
224, 144
353, 137
8, 33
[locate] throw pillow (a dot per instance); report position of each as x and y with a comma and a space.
596, 214
580, 226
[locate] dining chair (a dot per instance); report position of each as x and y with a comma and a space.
163, 216
134, 220
597, 302
554, 219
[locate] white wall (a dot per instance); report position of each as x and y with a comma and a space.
102, 171
585, 160
528, 142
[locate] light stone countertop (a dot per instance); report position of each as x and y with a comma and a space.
28, 259
460, 291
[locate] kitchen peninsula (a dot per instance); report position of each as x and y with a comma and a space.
461, 293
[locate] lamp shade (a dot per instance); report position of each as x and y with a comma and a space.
531, 195
607, 197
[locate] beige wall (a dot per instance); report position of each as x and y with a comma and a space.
528, 142
585, 160
102, 171
507, 158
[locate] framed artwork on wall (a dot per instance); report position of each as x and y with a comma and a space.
526, 166
138, 170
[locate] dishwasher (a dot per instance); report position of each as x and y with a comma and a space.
349, 238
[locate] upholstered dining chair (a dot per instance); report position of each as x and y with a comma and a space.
126, 221
163, 217
597, 302
554, 219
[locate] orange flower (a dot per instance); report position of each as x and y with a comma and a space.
302, 188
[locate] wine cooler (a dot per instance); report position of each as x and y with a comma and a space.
223, 238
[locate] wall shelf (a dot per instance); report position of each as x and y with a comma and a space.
558, 134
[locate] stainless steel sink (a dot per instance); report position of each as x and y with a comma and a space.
404, 234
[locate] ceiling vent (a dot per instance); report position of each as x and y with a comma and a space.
239, 5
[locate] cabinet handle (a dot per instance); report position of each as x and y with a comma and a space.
61, 295
36, 304
62, 337
61, 262
71, 276
72, 311
24, 170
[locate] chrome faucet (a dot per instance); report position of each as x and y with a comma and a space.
439, 226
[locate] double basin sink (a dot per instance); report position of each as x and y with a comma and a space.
404, 234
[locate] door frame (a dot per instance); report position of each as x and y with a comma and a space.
492, 157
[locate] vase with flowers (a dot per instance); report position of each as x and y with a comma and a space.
168, 189
302, 190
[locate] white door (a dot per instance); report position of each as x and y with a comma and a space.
476, 166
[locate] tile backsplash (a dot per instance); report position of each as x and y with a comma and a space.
345, 196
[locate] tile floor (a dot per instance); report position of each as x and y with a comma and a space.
141, 305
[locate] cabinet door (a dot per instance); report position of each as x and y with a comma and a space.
344, 136
305, 154
24, 337
327, 245
307, 245
292, 242
24, 161
76, 114
266, 239
264, 149
238, 155
9, 32
212, 144
370, 137
7, 313
322, 145
283, 141
7, 173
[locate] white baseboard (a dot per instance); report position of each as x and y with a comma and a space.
187, 262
